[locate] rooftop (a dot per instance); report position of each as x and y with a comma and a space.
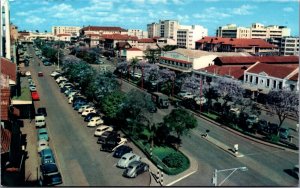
102, 28
236, 71
146, 40
119, 37
262, 59
200, 53
8, 68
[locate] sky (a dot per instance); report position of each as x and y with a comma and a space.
41, 15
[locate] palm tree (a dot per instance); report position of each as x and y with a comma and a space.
133, 64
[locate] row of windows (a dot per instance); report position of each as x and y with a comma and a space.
250, 78
177, 64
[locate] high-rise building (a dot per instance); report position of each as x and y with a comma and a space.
188, 35
72, 30
185, 36
256, 30
289, 46
5, 43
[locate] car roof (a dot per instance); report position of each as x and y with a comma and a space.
42, 130
42, 141
135, 163
127, 155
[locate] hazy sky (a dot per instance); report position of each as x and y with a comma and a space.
136, 14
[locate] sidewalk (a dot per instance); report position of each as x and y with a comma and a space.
31, 162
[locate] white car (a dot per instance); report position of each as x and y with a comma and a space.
42, 144
101, 129
188, 96
54, 73
72, 93
27, 73
126, 159
199, 100
61, 78
88, 110
32, 88
95, 121
82, 108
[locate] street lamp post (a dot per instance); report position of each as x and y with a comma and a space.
215, 175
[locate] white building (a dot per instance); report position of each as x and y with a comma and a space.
186, 60
5, 43
188, 35
131, 53
265, 77
63, 37
44, 36
165, 28
72, 30
140, 34
184, 36
256, 30
289, 46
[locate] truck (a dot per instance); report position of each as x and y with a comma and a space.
161, 100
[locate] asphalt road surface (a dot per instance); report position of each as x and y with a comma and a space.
77, 153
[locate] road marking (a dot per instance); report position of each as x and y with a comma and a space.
258, 153
181, 178
108, 155
115, 164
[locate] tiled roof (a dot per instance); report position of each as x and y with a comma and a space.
102, 28
146, 40
175, 60
236, 71
134, 49
119, 37
262, 59
294, 77
63, 35
237, 43
8, 68
5, 97
5, 140
274, 70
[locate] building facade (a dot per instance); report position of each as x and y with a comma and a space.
5, 43
165, 28
255, 31
140, 34
72, 30
188, 35
289, 46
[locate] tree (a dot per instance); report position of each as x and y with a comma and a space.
111, 104
152, 55
180, 121
282, 103
169, 47
134, 62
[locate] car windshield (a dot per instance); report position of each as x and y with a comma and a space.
42, 133
124, 158
130, 167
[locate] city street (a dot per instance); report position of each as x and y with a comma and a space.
77, 153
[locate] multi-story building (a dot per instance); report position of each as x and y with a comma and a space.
5, 43
140, 34
72, 30
165, 28
256, 30
289, 46
254, 46
184, 36
188, 35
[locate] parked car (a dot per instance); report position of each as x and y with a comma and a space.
101, 129
120, 151
42, 134
40, 121
88, 117
47, 156
251, 120
126, 159
296, 171
42, 111
82, 108
112, 144
79, 104
54, 73
28, 73
284, 133
47, 63
95, 121
42, 144
79, 101
88, 110
200, 100
50, 175
107, 135
35, 96
135, 168
32, 88
183, 93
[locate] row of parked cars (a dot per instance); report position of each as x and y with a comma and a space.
106, 135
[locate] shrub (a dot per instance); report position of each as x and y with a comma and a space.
173, 160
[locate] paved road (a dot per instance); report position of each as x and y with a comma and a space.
267, 165
77, 153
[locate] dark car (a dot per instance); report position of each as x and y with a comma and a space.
135, 168
120, 151
79, 104
47, 63
284, 133
152, 109
78, 99
107, 135
42, 111
112, 143
50, 174
88, 117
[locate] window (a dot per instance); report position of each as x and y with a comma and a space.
256, 80
250, 78
274, 84
280, 85
268, 82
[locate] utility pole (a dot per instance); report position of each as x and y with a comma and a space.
200, 93
142, 77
